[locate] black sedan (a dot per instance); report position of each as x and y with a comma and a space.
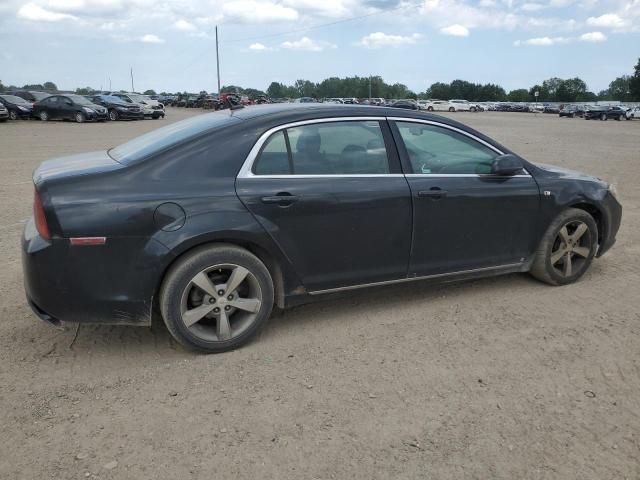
297, 201
406, 104
571, 111
117, 108
18, 107
604, 112
69, 107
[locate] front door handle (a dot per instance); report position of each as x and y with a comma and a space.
435, 193
283, 199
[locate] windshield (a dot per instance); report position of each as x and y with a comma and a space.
39, 95
111, 99
14, 99
79, 100
137, 98
163, 138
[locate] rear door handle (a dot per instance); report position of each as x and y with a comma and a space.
433, 193
283, 199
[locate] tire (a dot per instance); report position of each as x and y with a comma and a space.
212, 266
13, 115
44, 116
113, 115
552, 246
429, 109
79, 117
473, 109
618, 118
451, 109
603, 117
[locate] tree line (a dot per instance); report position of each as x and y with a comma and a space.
625, 88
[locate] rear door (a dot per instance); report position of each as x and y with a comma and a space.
464, 217
332, 196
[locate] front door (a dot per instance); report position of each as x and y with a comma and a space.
464, 217
332, 196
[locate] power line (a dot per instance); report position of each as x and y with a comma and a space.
321, 25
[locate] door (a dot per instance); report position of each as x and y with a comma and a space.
66, 108
331, 195
50, 105
464, 217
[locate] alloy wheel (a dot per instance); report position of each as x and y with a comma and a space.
13, 115
79, 117
113, 115
44, 116
571, 248
221, 302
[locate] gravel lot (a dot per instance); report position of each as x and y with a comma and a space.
501, 378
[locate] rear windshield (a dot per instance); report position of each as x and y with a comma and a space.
153, 142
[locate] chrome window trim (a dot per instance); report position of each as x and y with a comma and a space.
412, 279
245, 171
463, 132
463, 175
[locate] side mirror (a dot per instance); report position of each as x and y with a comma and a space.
506, 165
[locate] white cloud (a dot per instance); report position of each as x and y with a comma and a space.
380, 39
257, 47
593, 37
36, 13
305, 43
150, 38
251, 11
532, 7
608, 20
184, 26
455, 30
325, 8
542, 41
487, 3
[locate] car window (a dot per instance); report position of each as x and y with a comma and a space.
332, 148
438, 150
274, 158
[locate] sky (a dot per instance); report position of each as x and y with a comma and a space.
170, 44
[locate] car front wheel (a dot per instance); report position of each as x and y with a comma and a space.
113, 115
216, 298
13, 115
79, 117
567, 248
44, 116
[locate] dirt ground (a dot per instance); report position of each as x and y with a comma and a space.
503, 378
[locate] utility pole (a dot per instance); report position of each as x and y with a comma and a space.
369, 89
132, 89
217, 61
110, 84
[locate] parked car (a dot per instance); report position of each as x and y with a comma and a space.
18, 107
460, 106
571, 111
213, 242
4, 113
632, 113
604, 112
117, 108
440, 106
31, 96
406, 104
151, 108
69, 107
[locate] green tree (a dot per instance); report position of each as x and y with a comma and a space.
149, 92
50, 87
519, 95
85, 91
634, 83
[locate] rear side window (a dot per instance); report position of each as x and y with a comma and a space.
163, 138
332, 148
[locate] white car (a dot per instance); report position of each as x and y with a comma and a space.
461, 106
439, 106
151, 108
632, 113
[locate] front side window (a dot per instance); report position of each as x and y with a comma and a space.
438, 150
332, 148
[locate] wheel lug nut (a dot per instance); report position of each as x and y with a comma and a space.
216, 310
212, 300
220, 292
230, 297
227, 308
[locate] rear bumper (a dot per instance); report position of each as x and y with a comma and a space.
114, 283
131, 115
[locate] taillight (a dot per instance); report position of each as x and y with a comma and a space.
38, 214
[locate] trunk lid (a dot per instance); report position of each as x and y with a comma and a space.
74, 165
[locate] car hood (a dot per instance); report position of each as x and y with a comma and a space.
567, 173
74, 165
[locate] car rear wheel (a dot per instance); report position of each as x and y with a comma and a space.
79, 117
216, 298
567, 248
451, 109
44, 116
429, 109
113, 115
13, 115
603, 116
